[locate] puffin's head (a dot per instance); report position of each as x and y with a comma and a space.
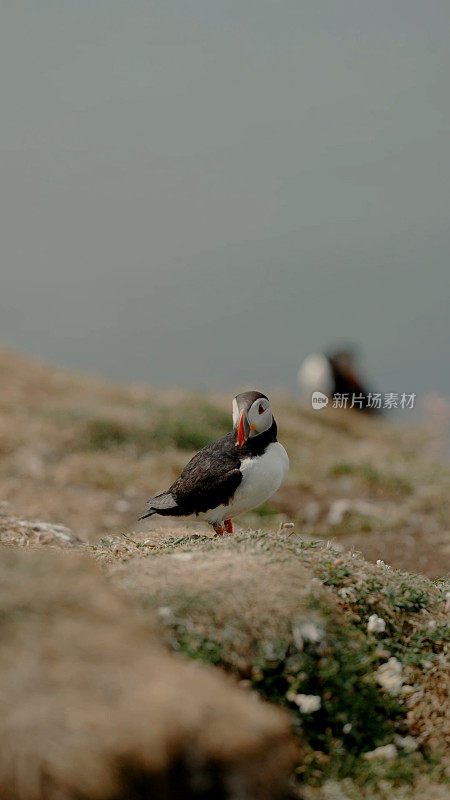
252, 415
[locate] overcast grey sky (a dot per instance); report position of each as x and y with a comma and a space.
200, 193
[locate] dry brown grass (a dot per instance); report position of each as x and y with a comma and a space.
92, 707
242, 599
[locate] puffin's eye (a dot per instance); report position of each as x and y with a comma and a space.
261, 409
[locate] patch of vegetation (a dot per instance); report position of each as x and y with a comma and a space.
410, 636
403, 770
267, 509
355, 523
373, 593
335, 671
420, 646
196, 646
407, 598
335, 575
191, 427
107, 434
188, 427
354, 715
383, 483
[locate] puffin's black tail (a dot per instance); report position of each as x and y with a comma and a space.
163, 504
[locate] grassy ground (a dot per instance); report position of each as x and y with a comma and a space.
355, 652
289, 618
86, 453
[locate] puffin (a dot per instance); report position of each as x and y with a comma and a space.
231, 475
334, 372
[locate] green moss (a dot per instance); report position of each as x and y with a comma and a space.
379, 482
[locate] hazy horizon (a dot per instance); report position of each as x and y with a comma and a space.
200, 194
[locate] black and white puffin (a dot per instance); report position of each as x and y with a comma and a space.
233, 474
334, 373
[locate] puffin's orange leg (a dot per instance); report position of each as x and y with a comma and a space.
228, 525
218, 529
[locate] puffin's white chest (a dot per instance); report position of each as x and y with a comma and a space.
262, 476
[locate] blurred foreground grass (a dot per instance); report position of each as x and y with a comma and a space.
289, 618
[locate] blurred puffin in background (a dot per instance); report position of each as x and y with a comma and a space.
233, 474
333, 373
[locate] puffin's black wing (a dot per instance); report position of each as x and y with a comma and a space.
209, 479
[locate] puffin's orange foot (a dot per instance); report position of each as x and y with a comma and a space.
218, 529
228, 525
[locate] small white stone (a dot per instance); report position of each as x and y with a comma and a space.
307, 631
382, 564
447, 602
307, 703
332, 790
312, 632
348, 593
165, 613
182, 556
389, 676
406, 743
376, 624
347, 727
386, 751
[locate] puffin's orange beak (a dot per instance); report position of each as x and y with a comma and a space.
244, 429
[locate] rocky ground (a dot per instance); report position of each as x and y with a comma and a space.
159, 656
